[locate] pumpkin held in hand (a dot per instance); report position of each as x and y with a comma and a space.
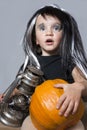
43, 111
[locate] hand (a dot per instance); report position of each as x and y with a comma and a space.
16, 91
68, 103
1, 97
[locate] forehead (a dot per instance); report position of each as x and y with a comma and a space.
47, 19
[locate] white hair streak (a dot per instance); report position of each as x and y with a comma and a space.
57, 6
25, 62
77, 62
54, 6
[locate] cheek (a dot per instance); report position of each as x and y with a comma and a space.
59, 37
39, 38
37, 41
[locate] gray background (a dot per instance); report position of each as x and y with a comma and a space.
14, 15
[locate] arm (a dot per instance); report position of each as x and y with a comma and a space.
80, 78
69, 101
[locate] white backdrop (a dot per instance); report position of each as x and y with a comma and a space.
14, 15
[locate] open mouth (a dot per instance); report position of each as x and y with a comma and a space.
49, 41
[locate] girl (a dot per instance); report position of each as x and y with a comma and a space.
52, 35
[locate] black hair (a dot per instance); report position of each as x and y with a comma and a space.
71, 47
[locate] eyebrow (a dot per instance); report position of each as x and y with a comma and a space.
41, 24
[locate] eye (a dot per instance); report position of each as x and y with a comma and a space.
57, 27
41, 27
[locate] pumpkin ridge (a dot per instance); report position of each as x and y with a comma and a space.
38, 95
39, 113
55, 93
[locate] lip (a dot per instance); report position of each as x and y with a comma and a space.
49, 42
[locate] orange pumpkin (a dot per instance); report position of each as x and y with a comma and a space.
43, 112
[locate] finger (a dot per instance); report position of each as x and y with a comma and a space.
75, 107
59, 85
69, 109
1, 98
60, 101
64, 107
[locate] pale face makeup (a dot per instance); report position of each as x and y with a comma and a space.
48, 34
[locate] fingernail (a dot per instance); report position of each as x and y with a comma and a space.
60, 113
57, 107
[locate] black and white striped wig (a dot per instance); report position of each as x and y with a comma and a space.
71, 47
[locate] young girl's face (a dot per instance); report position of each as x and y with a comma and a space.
48, 34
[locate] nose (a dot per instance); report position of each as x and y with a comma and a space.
49, 32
